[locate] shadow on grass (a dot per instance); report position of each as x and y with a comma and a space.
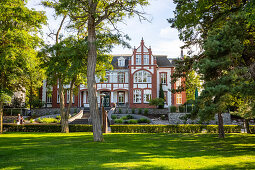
124, 151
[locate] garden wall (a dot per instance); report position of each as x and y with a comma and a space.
150, 110
175, 118
51, 111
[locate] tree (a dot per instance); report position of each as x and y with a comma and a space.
68, 68
161, 96
225, 33
19, 27
192, 82
95, 16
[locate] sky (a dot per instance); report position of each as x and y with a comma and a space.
158, 34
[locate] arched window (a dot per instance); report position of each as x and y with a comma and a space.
142, 77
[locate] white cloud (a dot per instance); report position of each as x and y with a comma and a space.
169, 48
168, 33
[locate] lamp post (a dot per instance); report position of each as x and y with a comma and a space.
104, 114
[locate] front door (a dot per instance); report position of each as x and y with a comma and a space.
106, 99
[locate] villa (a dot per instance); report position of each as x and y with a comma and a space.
135, 79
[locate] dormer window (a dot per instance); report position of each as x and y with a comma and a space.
121, 62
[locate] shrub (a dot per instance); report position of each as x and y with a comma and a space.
124, 118
58, 117
132, 121
227, 129
146, 112
252, 128
45, 128
172, 109
126, 111
31, 120
181, 109
130, 117
133, 110
143, 120
163, 117
119, 121
172, 128
159, 102
114, 117
189, 109
140, 111
48, 120
120, 111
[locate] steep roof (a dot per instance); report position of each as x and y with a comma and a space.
163, 61
115, 61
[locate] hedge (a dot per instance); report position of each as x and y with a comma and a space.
227, 129
172, 128
252, 128
45, 128
156, 128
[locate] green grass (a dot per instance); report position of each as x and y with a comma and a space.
126, 151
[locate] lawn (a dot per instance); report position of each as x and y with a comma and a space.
126, 151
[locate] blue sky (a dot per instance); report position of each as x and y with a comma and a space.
157, 34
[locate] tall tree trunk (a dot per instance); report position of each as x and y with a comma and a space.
247, 125
62, 107
91, 67
220, 126
31, 94
1, 117
65, 127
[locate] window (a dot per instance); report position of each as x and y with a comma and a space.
121, 62
73, 98
121, 77
49, 98
58, 98
146, 96
137, 96
142, 77
67, 96
163, 78
178, 98
146, 59
121, 97
178, 82
138, 59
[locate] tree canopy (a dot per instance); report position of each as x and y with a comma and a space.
19, 27
225, 32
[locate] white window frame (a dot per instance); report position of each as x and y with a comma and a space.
73, 98
137, 96
138, 59
163, 78
146, 95
178, 98
67, 96
121, 62
146, 59
49, 98
142, 77
58, 97
121, 76
122, 95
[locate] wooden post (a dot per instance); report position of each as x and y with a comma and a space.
104, 117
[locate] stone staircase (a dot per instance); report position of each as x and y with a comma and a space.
83, 120
86, 116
